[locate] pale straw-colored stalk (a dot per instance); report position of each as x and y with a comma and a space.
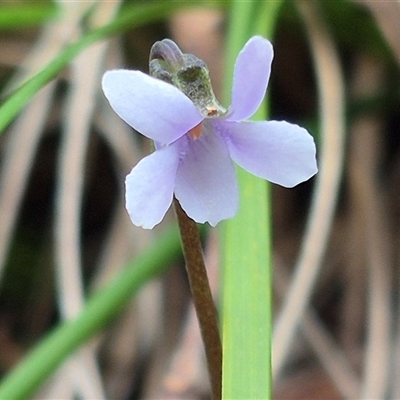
331, 102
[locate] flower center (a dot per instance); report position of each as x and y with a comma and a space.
212, 111
195, 132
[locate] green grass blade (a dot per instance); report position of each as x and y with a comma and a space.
25, 15
129, 18
246, 296
247, 283
99, 310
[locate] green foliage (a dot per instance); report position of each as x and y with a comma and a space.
25, 15
129, 18
246, 275
100, 309
246, 240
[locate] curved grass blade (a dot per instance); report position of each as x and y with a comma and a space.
99, 310
129, 18
26, 15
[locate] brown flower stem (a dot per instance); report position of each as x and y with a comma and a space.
202, 299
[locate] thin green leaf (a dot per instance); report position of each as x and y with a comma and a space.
247, 284
26, 15
129, 18
99, 310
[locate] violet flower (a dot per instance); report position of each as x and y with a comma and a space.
195, 144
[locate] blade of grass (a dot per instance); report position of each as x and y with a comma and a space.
27, 130
99, 310
26, 15
247, 286
129, 18
86, 71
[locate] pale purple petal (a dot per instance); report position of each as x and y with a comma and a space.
150, 186
280, 152
250, 79
154, 108
206, 183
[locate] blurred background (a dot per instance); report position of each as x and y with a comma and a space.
64, 231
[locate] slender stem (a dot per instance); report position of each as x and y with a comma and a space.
202, 299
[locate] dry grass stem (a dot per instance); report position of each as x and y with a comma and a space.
337, 332
329, 354
365, 156
86, 72
331, 98
26, 132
